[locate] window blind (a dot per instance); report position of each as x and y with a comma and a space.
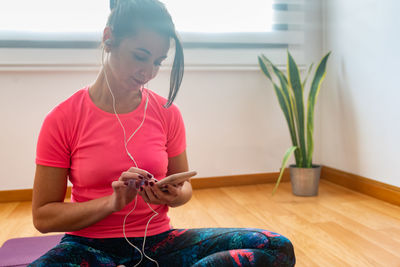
283, 29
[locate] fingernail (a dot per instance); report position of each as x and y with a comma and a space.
149, 175
151, 183
146, 182
141, 176
126, 183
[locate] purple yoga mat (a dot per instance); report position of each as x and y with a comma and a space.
24, 250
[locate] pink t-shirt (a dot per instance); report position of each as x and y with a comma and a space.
78, 135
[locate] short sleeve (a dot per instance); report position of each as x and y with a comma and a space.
176, 136
52, 147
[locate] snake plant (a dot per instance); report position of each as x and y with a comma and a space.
289, 90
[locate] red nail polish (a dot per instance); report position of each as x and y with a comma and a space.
146, 183
151, 184
141, 176
149, 175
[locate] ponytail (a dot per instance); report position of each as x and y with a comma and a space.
176, 72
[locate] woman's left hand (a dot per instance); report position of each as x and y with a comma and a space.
152, 194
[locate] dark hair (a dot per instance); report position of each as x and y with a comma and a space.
128, 16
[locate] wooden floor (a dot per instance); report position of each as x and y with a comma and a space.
338, 228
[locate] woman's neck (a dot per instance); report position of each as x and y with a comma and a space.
125, 100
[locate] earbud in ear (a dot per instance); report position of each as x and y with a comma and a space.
107, 45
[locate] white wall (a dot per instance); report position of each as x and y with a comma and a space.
234, 124
360, 111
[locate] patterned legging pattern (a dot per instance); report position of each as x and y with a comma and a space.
177, 248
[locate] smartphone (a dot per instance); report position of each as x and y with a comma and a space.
175, 179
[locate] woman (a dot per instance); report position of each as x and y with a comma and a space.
114, 140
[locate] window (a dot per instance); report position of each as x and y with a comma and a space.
222, 32
27, 23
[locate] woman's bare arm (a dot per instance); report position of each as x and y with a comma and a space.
175, 165
52, 214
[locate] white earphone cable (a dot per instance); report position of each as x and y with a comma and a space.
134, 162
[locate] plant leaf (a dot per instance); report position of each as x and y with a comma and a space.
319, 76
285, 98
296, 86
274, 67
283, 81
292, 111
264, 68
308, 74
283, 101
284, 162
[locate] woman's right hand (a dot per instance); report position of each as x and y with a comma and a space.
52, 214
127, 187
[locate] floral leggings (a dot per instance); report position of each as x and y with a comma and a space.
178, 248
